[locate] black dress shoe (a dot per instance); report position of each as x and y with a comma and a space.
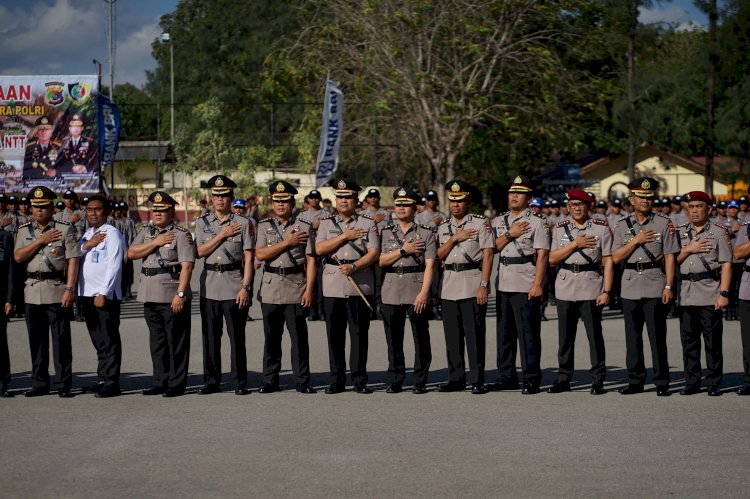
173, 392
37, 392
305, 388
242, 390
155, 390
478, 389
502, 386
452, 387
209, 389
690, 390
559, 387
713, 391
362, 388
335, 388
631, 390
394, 388
268, 388
107, 392
598, 389
743, 390
4, 393
530, 389
419, 389
663, 391
93, 388
65, 393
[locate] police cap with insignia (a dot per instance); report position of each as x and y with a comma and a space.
41, 196
69, 194
60, 205
657, 203
579, 195
644, 187
733, 204
373, 193
520, 184
616, 203
547, 204
13, 200
722, 204
76, 120
458, 190
676, 200
221, 185
3, 198
345, 188
161, 201
554, 203
421, 201
405, 196
281, 190
431, 196
24, 201
43, 123
744, 200
593, 196
536, 202
698, 196
314, 194
239, 203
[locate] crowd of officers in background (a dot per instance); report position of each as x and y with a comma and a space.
350, 262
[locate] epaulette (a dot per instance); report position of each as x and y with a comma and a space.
539, 215
264, 220
686, 224
600, 221
179, 227
720, 226
61, 222
563, 223
478, 215
365, 215
304, 221
24, 225
662, 215
329, 217
389, 227
444, 222
145, 225
425, 226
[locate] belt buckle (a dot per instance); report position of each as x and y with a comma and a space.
218, 269
282, 270
400, 270
453, 267
694, 277
37, 275
639, 267
504, 260
576, 269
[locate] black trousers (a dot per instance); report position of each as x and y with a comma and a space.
169, 341
274, 317
653, 313
694, 322
569, 312
519, 323
4, 355
41, 320
745, 333
353, 312
215, 313
104, 329
394, 322
464, 325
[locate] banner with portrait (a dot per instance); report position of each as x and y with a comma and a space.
49, 133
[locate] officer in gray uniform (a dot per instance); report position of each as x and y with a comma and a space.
582, 246
647, 243
407, 256
285, 245
706, 269
227, 243
349, 243
522, 239
314, 215
8, 219
71, 213
741, 251
51, 250
431, 216
168, 254
465, 247
382, 218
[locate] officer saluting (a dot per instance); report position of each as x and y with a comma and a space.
582, 245
285, 245
168, 255
408, 260
349, 243
51, 250
227, 242
706, 270
646, 241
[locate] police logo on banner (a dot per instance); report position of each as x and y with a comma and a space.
79, 92
54, 95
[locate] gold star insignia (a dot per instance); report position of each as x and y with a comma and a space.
645, 184
219, 182
455, 187
342, 184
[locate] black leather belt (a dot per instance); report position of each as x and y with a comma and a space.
641, 266
217, 267
331, 261
582, 267
148, 272
713, 275
297, 269
460, 267
516, 260
43, 276
404, 270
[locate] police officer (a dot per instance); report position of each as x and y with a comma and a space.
582, 246
285, 245
349, 243
51, 250
168, 255
431, 216
70, 213
407, 256
41, 152
126, 225
706, 269
465, 247
646, 242
227, 243
7, 278
77, 152
8, 219
523, 242
741, 251
314, 214
239, 207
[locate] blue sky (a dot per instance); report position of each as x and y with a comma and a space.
40, 37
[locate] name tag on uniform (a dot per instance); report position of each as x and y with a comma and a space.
657, 237
565, 239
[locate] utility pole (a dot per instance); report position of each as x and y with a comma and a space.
710, 139
631, 90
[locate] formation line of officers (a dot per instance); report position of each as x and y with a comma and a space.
344, 250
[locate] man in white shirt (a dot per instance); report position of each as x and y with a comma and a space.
100, 274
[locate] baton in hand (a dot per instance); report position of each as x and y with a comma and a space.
359, 290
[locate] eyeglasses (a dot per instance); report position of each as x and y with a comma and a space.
576, 206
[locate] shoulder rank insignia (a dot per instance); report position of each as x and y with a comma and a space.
600, 221
562, 224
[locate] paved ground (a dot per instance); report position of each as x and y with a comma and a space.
288, 444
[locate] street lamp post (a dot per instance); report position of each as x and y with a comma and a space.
165, 38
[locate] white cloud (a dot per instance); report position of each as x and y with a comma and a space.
670, 14
134, 55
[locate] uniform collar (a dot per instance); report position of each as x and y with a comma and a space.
412, 227
467, 218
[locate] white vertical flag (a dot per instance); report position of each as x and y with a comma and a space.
330, 135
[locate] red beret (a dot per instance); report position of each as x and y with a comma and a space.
579, 195
698, 196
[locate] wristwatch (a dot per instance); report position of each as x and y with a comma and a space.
248, 288
181, 294
508, 236
484, 284
403, 252
668, 287
354, 267
724, 294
